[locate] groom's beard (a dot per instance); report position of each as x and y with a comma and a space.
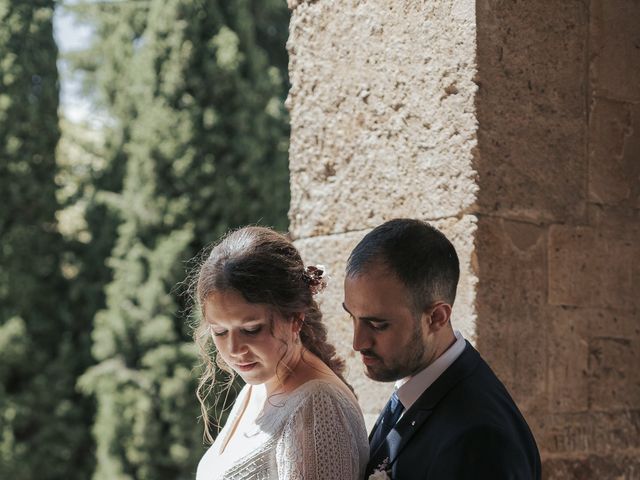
403, 362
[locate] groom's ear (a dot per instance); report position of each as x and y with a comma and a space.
438, 315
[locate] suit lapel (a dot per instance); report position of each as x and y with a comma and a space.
420, 411
400, 435
375, 427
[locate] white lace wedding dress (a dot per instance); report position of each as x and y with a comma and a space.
316, 432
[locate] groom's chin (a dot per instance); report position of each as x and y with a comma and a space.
377, 374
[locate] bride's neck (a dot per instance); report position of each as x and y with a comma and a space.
288, 373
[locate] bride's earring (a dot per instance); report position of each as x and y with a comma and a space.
296, 333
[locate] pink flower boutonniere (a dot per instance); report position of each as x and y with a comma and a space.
382, 472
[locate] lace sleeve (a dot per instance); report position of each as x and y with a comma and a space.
321, 440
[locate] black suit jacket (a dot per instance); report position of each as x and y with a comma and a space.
464, 426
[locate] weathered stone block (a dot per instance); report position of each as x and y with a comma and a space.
614, 153
531, 112
613, 371
614, 356
513, 322
568, 356
614, 40
623, 466
587, 432
608, 217
593, 358
610, 323
383, 122
594, 267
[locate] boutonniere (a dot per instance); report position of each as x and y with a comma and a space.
382, 472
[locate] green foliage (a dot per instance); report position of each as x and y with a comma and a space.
197, 144
43, 420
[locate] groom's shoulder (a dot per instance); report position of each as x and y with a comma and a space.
475, 421
475, 396
475, 374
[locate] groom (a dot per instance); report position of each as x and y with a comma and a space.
449, 416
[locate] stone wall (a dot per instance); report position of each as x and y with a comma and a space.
383, 125
515, 127
558, 227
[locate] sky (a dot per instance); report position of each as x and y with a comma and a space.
69, 36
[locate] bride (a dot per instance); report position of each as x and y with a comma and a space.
296, 417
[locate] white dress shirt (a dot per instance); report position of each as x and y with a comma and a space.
409, 389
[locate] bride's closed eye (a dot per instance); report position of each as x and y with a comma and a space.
217, 333
253, 330
247, 331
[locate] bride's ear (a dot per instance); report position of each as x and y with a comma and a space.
297, 321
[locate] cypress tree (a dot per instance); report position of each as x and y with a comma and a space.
43, 425
202, 139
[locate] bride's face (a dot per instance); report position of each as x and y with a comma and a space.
252, 338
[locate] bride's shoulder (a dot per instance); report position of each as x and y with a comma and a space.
318, 393
329, 407
319, 386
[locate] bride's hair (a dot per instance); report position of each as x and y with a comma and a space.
264, 267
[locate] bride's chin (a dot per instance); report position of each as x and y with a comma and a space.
252, 381
253, 378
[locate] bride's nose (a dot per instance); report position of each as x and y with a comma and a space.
236, 345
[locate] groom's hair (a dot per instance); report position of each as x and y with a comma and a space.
420, 256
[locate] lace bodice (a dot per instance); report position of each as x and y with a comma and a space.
315, 432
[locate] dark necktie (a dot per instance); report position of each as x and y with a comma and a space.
390, 415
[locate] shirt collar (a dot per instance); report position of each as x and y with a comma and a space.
409, 389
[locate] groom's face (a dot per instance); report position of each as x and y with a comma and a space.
388, 334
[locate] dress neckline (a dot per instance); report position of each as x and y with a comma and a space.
236, 421
296, 391
283, 398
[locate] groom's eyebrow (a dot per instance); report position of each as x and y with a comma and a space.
347, 310
367, 319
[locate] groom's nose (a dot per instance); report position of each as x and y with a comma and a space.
361, 337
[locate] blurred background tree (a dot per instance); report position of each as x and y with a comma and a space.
43, 348
92, 250
196, 144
